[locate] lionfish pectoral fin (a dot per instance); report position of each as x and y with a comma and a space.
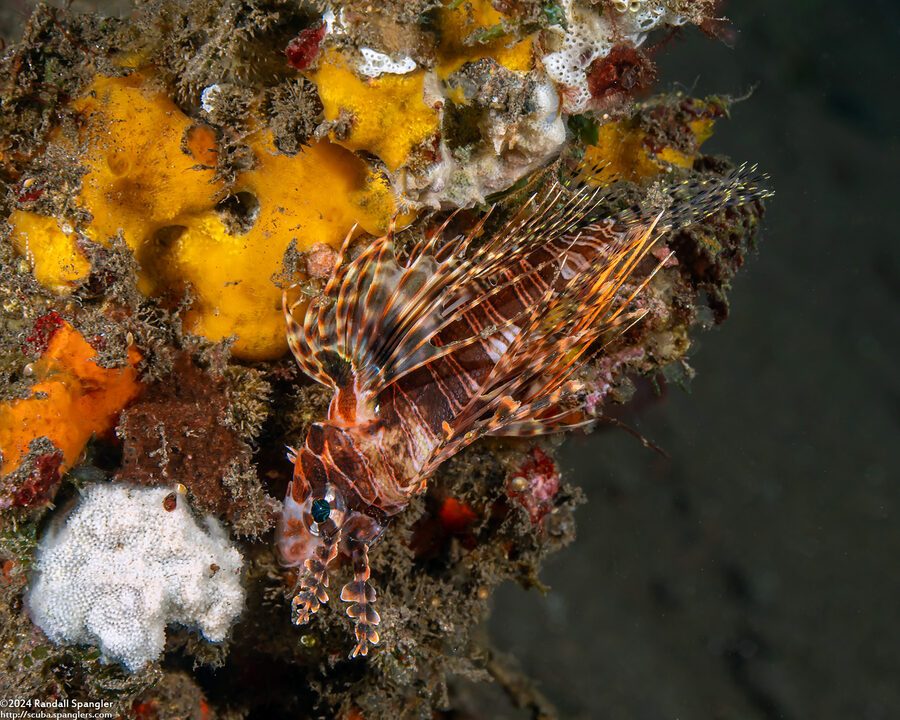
361, 596
313, 582
562, 422
299, 348
531, 387
384, 312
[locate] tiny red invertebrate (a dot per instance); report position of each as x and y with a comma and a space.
302, 50
456, 516
461, 338
45, 328
170, 502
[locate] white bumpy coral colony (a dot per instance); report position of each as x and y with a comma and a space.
124, 566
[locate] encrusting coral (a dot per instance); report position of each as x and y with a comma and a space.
129, 562
166, 178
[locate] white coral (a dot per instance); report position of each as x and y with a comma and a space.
377, 63
591, 35
513, 149
123, 567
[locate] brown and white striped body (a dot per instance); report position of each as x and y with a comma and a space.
464, 337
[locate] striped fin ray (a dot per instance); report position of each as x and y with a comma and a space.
699, 196
527, 388
530, 389
300, 337
377, 316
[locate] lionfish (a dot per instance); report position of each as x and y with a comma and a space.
461, 337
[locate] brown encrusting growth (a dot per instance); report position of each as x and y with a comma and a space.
178, 432
410, 117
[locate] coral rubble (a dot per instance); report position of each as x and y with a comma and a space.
165, 178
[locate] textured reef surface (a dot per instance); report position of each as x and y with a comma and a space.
164, 179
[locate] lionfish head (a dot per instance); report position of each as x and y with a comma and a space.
316, 523
314, 517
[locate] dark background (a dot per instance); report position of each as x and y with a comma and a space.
755, 575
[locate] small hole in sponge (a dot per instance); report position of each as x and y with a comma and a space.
153, 258
165, 237
239, 212
118, 163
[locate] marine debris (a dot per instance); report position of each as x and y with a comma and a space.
169, 178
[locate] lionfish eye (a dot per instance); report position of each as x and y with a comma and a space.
320, 510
